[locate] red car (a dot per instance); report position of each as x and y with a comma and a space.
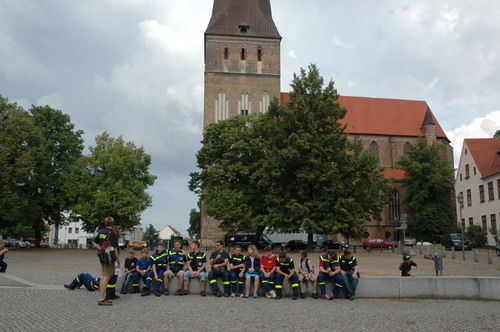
378, 243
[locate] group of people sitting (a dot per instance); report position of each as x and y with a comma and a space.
238, 272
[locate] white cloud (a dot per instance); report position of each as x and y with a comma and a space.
291, 54
481, 127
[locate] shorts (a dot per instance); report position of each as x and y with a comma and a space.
108, 270
301, 277
171, 274
202, 275
251, 274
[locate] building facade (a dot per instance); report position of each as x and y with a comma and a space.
478, 182
242, 74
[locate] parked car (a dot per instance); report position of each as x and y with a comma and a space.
410, 241
44, 245
378, 243
137, 244
294, 245
28, 244
122, 245
333, 244
455, 240
246, 239
498, 248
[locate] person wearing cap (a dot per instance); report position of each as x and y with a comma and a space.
406, 265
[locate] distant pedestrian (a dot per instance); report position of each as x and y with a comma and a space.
108, 270
3, 250
406, 265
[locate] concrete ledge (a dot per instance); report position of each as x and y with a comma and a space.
467, 288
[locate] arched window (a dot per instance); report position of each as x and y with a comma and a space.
259, 54
243, 53
244, 104
264, 103
395, 208
374, 148
405, 149
226, 53
221, 107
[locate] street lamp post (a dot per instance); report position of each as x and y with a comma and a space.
460, 199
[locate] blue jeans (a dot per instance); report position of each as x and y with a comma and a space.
127, 278
350, 282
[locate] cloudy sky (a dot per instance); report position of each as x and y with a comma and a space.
135, 68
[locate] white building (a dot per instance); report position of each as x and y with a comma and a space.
167, 232
478, 180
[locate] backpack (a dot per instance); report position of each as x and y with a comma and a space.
107, 253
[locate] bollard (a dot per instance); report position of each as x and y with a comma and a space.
490, 261
443, 252
476, 259
369, 249
354, 249
420, 250
452, 252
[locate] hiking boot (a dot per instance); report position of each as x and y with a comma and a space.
218, 293
294, 297
69, 287
315, 296
178, 292
202, 293
134, 291
123, 291
278, 297
146, 292
166, 291
302, 295
113, 297
226, 294
157, 293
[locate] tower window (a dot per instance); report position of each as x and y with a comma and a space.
243, 55
226, 53
243, 28
259, 54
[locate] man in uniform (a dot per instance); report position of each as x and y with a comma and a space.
160, 263
236, 266
108, 270
350, 271
85, 279
329, 269
219, 260
196, 264
176, 266
285, 270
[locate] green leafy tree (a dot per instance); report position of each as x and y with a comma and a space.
497, 134
63, 145
21, 157
151, 236
429, 186
477, 236
111, 181
194, 229
291, 169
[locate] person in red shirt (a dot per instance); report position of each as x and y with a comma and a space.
267, 271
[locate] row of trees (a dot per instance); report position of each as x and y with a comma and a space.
293, 169
43, 173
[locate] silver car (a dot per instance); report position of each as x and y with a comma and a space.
498, 248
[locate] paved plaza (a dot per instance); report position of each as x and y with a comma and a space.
34, 299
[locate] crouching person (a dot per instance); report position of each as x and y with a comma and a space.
285, 270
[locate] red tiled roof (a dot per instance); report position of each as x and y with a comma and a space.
397, 174
486, 154
174, 230
379, 116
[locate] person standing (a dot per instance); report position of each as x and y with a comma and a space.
3, 250
108, 270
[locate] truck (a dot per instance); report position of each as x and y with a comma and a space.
282, 238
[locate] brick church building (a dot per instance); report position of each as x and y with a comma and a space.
242, 75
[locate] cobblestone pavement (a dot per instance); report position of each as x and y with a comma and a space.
33, 298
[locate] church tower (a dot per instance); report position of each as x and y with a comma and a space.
242, 69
